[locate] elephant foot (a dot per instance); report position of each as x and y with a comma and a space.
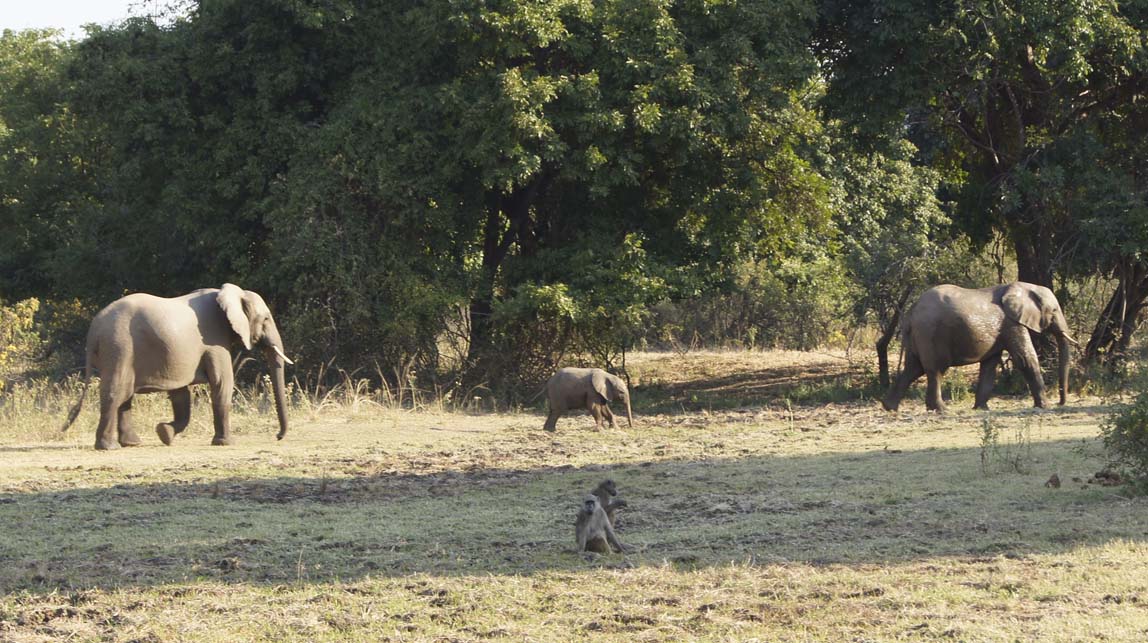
218, 441
981, 407
129, 439
106, 445
166, 433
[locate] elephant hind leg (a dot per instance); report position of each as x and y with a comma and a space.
985, 381
113, 395
933, 393
127, 435
181, 407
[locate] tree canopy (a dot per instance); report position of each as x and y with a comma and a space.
485, 186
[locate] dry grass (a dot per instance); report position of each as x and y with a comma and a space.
774, 521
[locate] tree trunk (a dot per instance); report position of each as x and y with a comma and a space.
1033, 244
507, 221
1119, 320
494, 247
1033, 257
887, 334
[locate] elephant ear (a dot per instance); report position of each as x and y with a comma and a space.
1021, 306
600, 380
230, 299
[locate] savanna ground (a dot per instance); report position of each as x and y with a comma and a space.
760, 509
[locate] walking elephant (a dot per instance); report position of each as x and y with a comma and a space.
585, 388
953, 326
147, 344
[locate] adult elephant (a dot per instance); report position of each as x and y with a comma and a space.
147, 344
953, 326
585, 388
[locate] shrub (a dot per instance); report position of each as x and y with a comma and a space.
1125, 434
20, 344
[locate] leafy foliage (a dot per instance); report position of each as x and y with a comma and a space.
18, 340
1125, 434
547, 181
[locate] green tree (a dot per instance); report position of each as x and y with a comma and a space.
997, 83
45, 175
896, 239
531, 140
371, 167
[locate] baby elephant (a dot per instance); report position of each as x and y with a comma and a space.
585, 388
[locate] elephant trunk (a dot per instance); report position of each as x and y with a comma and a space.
278, 360
1062, 341
629, 413
280, 395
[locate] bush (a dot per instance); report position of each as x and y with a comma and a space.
41, 339
20, 344
792, 304
532, 331
1125, 434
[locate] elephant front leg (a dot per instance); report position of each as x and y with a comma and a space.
552, 421
1019, 345
933, 392
909, 374
127, 435
220, 378
985, 381
181, 408
609, 415
596, 411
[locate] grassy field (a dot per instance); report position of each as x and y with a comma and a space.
755, 513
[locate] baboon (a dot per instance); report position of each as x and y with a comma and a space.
604, 491
593, 531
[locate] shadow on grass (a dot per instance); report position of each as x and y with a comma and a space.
41, 447
808, 385
800, 384
876, 507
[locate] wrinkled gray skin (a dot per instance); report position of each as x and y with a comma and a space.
147, 344
586, 388
953, 326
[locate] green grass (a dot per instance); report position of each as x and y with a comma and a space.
772, 522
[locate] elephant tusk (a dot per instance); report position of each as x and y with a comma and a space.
279, 352
1071, 340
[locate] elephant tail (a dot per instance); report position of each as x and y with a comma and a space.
905, 338
74, 412
536, 395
